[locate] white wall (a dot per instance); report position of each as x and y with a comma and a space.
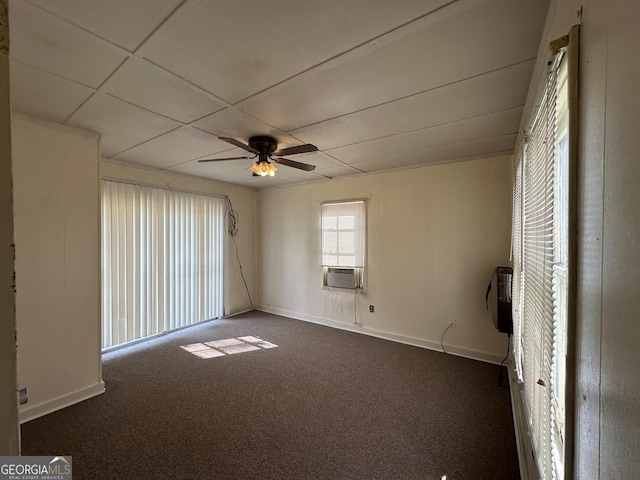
609, 299
607, 436
55, 174
243, 200
56, 194
434, 236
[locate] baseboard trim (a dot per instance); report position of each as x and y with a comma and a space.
235, 314
31, 412
416, 342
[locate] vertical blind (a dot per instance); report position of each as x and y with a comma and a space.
343, 234
540, 280
162, 260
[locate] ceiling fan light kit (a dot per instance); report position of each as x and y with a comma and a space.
263, 169
265, 148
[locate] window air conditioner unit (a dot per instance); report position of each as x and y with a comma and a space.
343, 277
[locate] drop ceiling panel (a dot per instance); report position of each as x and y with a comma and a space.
120, 124
318, 159
228, 174
291, 175
397, 146
213, 169
479, 95
54, 45
173, 148
247, 180
254, 45
43, 95
484, 147
149, 86
237, 177
233, 123
340, 171
229, 151
428, 55
124, 22
374, 84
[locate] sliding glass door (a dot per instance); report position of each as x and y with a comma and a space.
162, 260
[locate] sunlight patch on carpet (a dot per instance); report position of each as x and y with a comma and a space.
238, 349
208, 353
228, 346
194, 347
224, 343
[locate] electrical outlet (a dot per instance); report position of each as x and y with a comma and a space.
371, 308
23, 395
452, 323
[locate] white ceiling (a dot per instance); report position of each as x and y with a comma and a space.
374, 84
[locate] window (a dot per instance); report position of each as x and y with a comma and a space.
541, 248
343, 243
162, 259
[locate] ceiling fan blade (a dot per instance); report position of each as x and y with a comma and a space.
294, 164
306, 148
223, 159
235, 142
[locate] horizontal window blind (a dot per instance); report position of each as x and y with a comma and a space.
538, 256
516, 294
540, 280
162, 260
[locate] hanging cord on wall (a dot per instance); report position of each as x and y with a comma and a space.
355, 307
232, 228
442, 338
500, 377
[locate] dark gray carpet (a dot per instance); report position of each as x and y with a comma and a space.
325, 404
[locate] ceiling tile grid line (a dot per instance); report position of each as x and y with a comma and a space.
46, 72
461, 100
417, 94
136, 53
371, 41
127, 55
344, 163
161, 24
61, 18
403, 29
53, 45
188, 82
159, 49
452, 123
430, 154
73, 8
97, 90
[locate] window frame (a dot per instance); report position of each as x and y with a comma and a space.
546, 372
359, 250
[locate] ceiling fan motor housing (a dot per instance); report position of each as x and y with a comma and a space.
263, 144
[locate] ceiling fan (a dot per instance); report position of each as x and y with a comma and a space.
265, 149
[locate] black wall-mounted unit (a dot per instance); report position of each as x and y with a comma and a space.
499, 299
